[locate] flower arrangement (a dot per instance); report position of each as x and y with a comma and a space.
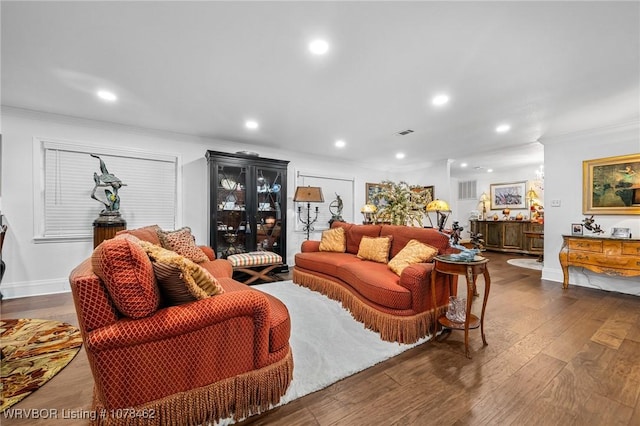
401, 204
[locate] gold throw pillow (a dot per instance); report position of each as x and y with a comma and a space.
180, 280
375, 249
413, 252
334, 240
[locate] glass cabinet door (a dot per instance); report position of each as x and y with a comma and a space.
231, 213
268, 208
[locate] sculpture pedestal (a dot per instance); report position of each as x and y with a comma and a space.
106, 226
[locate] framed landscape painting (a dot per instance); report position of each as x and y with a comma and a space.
508, 195
372, 189
611, 185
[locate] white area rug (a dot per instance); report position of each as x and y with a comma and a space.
526, 263
327, 343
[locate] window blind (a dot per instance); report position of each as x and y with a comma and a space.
67, 209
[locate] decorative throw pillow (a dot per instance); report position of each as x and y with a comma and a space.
413, 252
180, 280
375, 248
334, 240
182, 242
147, 233
128, 275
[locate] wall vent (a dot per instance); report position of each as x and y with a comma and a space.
405, 132
467, 190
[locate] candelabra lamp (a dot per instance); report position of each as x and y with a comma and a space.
308, 194
442, 210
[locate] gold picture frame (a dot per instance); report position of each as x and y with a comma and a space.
508, 195
371, 190
611, 185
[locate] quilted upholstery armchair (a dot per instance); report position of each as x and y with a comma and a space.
224, 356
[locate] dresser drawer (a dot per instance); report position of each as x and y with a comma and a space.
586, 245
631, 248
621, 262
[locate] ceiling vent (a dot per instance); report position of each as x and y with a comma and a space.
405, 132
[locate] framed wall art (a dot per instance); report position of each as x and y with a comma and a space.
508, 195
611, 185
576, 229
430, 192
371, 190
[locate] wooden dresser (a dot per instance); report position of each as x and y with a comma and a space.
618, 257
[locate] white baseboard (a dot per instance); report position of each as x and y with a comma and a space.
18, 289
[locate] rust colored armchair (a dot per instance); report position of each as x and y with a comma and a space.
223, 356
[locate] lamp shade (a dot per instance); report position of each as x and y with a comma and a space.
308, 194
438, 206
484, 197
368, 208
532, 194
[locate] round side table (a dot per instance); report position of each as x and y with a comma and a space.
471, 269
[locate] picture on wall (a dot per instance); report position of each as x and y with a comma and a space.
611, 185
429, 192
508, 195
371, 190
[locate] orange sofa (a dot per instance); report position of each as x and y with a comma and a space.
400, 308
224, 356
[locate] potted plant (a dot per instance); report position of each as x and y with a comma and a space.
401, 204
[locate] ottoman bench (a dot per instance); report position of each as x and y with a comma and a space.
257, 264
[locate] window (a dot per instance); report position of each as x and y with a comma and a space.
467, 190
64, 182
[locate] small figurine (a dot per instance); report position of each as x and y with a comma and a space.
592, 226
335, 208
456, 231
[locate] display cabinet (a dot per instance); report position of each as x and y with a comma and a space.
247, 203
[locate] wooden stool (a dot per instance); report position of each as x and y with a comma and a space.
257, 264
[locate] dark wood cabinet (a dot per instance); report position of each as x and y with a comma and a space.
247, 203
512, 236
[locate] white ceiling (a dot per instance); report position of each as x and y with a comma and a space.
202, 68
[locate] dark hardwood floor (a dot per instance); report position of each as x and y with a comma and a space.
556, 357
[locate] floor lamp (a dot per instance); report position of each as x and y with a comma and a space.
308, 194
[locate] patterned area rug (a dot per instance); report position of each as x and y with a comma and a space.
33, 351
526, 263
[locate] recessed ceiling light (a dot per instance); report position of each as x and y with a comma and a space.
489, 170
503, 128
463, 164
105, 95
340, 143
440, 100
400, 155
251, 124
318, 47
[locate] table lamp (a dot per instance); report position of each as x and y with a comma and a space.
367, 211
483, 199
442, 212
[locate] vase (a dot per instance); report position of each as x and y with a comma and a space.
457, 310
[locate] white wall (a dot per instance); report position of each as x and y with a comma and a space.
44, 268
563, 182
462, 208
